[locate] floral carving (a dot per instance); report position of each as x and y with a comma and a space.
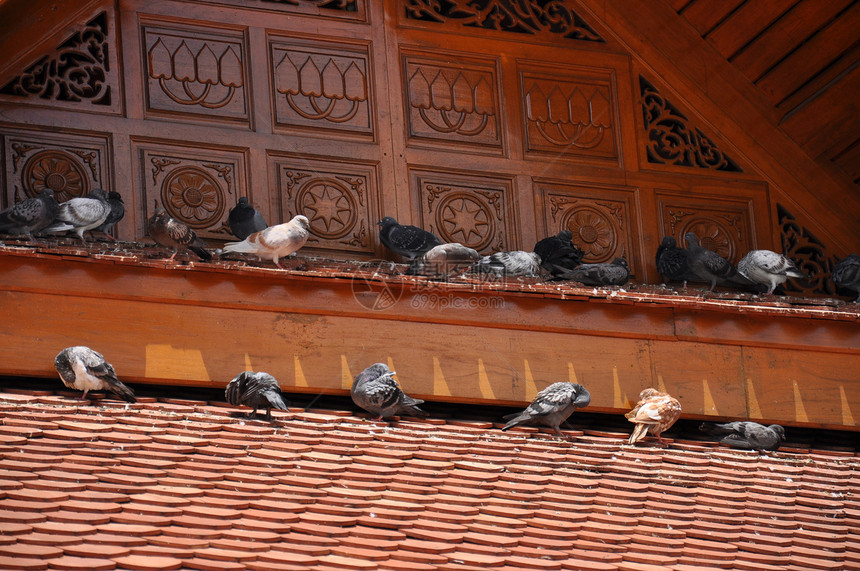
593, 232
329, 207
193, 196
55, 170
808, 252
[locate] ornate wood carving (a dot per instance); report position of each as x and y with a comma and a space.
672, 141
553, 18
602, 220
193, 71
571, 114
322, 86
338, 198
81, 70
808, 252
470, 210
452, 103
355, 10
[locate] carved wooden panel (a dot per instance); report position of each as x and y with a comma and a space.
809, 253
194, 185
339, 198
570, 112
196, 71
722, 225
81, 72
337, 9
70, 165
452, 103
475, 211
603, 220
322, 87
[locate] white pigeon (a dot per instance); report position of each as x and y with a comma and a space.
768, 268
86, 370
275, 242
82, 214
515, 263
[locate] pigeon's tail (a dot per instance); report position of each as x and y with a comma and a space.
409, 407
120, 389
275, 400
201, 252
59, 227
638, 433
243, 246
715, 429
514, 419
795, 273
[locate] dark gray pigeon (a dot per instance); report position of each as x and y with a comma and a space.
244, 219
378, 393
558, 253
747, 435
846, 274
86, 370
117, 212
710, 266
672, 262
410, 242
616, 273
768, 268
256, 390
443, 260
82, 214
551, 406
516, 263
171, 233
30, 215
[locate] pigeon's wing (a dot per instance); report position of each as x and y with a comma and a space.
262, 391
83, 211
672, 264
179, 232
97, 366
22, 213
409, 406
412, 238
518, 263
234, 389
551, 400
847, 271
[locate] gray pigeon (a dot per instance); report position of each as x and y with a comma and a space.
616, 273
378, 393
244, 219
117, 212
275, 242
558, 253
846, 274
408, 241
171, 233
86, 370
672, 262
747, 435
444, 260
551, 406
768, 268
256, 390
82, 214
30, 215
710, 266
516, 263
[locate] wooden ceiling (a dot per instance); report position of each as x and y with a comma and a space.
804, 58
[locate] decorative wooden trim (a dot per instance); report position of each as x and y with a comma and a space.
808, 252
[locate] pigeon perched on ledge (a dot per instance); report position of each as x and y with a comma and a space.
558, 253
256, 390
171, 233
552, 406
672, 262
244, 219
275, 242
515, 263
86, 370
82, 213
30, 215
655, 412
117, 212
747, 435
616, 273
411, 242
443, 260
846, 274
378, 393
768, 268
711, 267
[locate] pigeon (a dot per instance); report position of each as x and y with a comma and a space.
616, 273
551, 406
256, 390
171, 233
672, 262
516, 263
117, 211
846, 274
30, 215
375, 391
244, 219
747, 435
86, 370
410, 242
768, 268
443, 260
82, 214
275, 242
655, 412
559, 251
710, 266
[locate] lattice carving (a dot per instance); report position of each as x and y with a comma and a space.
344, 5
809, 253
672, 141
78, 71
569, 117
553, 18
724, 229
194, 71
322, 87
452, 103
338, 198
352, 10
467, 210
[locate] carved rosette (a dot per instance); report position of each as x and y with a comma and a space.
337, 200
809, 253
599, 227
322, 86
724, 230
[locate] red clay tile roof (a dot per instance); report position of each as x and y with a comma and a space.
180, 484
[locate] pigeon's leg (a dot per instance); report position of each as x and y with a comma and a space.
85, 394
558, 432
174, 255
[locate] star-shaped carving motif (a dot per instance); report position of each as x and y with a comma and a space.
465, 217
327, 205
